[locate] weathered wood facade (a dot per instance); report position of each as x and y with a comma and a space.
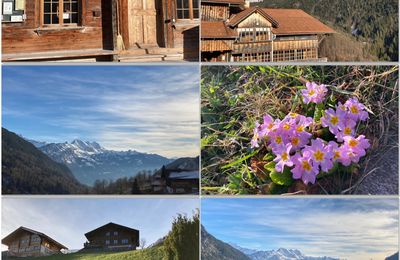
255, 34
24, 242
112, 237
82, 29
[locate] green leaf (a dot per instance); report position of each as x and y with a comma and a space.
239, 160
282, 178
319, 111
270, 166
277, 189
268, 158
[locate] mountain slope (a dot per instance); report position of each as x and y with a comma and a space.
214, 249
393, 257
89, 162
26, 170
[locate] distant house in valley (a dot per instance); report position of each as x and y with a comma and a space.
25, 242
179, 177
112, 237
231, 30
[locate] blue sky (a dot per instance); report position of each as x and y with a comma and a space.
67, 220
151, 109
346, 228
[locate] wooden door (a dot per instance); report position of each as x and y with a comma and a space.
142, 23
169, 20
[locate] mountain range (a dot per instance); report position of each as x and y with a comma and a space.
279, 254
26, 170
214, 249
89, 161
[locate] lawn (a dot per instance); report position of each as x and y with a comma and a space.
234, 98
155, 253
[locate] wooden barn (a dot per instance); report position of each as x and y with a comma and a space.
25, 242
112, 237
102, 30
231, 30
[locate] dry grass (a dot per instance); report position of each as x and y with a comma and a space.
233, 98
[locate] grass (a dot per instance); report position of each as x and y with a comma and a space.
234, 97
154, 253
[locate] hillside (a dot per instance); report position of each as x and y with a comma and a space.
26, 170
369, 27
155, 253
214, 249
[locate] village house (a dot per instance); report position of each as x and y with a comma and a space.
175, 181
102, 30
25, 242
231, 30
112, 237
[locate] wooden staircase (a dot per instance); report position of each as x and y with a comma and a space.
151, 54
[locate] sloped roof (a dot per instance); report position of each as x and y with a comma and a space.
184, 175
215, 30
8, 239
296, 21
237, 18
111, 224
235, 2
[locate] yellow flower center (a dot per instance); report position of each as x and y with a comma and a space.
278, 139
336, 155
334, 120
311, 92
354, 109
270, 125
300, 128
306, 166
285, 156
353, 143
319, 156
295, 141
286, 126
347, 131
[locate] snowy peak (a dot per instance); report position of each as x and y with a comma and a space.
280, 254
90, 147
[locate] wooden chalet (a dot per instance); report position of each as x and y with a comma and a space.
112, 237
25, 242
232, 31
46, 30
175, 181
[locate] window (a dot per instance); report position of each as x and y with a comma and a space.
124, 241
58, 12
107, 242
115, 233
108, 234
115, 242
187, 9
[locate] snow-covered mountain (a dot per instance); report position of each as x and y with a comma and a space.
89, 161
280, 254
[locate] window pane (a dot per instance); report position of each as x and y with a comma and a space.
74, 18
54, 19
186, 3
47, 7
195, 13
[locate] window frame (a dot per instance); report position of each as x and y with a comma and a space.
61, 23
191, 9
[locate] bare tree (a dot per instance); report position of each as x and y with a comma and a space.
142, 243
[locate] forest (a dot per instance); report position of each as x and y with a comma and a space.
373, 23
